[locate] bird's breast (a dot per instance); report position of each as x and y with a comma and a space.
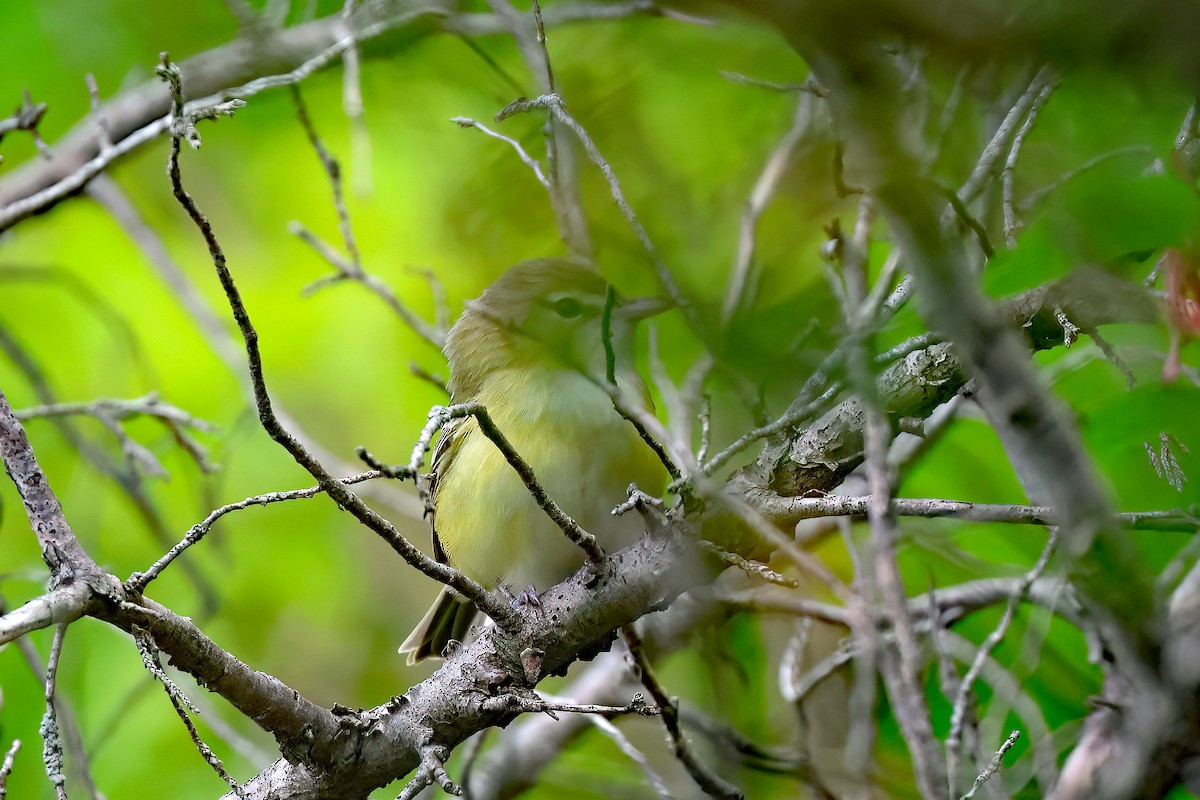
583, 453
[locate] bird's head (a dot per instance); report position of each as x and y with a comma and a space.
543, 313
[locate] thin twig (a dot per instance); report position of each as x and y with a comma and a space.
470, 757
753, 568
52, 748
110, 411
350, 269
994, 765
789, 510
104, 136
431, 770
7, 767
900, 668
352, 105
756, 203
713, 785
562, 179
657, 784
138, 581
182, 706
1037, 195
526, 159
432, 379
495, 607
27, 117
349, 272
1008, 173
440, 415
959, 707
995, 148
545, 704
789, 419
65, 718
554, 105
705, 428
808, 85
334, 172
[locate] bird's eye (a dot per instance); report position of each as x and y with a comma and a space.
568, 308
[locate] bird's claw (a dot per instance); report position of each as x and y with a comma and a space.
528, 598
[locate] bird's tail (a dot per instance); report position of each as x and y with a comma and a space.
449, 619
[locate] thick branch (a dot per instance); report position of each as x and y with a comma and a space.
65, 604
468, 694
301, 727
61, 551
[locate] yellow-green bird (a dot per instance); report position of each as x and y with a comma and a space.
531, 350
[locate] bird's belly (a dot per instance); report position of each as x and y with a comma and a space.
494, 531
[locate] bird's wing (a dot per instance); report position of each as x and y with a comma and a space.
454, 433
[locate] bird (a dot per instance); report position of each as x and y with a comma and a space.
531, 349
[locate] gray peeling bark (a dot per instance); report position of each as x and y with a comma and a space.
482, 685
61, 551
818, 456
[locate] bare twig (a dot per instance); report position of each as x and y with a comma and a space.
633, 754
1008, 173
545, 704
713, 785
705, 428
789, 510
561, 170
104, 135
181, 704
440, 415
760, 197
351, 269
7, 767
431, 770
27, 117
352, 104
994, 765
496, 608
881, 572
138, 581
52, 748
553, 104
791, 418
526, 159
999, 143
110, 412
350, 272
748, 566
334, 173
809, 85
1037, 195
959, 706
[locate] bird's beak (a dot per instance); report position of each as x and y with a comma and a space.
642, 308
